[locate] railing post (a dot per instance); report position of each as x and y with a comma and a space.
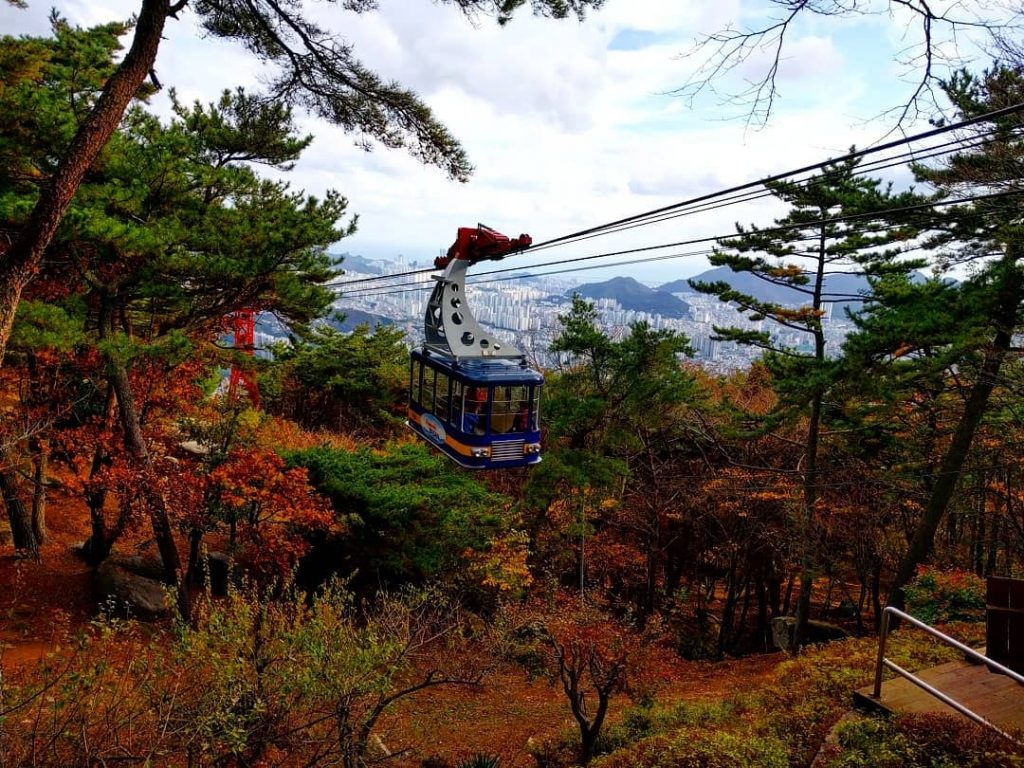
969, 652
883, 635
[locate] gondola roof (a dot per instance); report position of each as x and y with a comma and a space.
495, 370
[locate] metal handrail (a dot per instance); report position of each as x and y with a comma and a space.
883, 662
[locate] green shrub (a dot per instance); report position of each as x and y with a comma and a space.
921, 741
408, 515
700, 748
785, 718
637, 723
561, 751
940, 596
640, 722
697, 640
810, 693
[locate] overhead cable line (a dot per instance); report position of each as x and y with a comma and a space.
872, 215
618, 225
665, 257
751, 196
994, 114
424, 285
366, 289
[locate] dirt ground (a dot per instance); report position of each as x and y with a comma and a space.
43, 604
509, 711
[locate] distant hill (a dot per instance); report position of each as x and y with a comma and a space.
354, 317
636, 296
841, 285
269, 325
353, 263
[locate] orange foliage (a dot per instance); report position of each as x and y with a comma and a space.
503, 565
285, 435
787, 271
273, 507
799, 315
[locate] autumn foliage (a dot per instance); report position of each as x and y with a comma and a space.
268, 508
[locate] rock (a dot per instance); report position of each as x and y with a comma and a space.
817, 632
782, 632
148, 566
194, 447
219, 567
80, 549
130, 594
376, 748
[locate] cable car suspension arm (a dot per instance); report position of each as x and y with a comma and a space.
449, 325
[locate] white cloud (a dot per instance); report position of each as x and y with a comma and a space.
564, 131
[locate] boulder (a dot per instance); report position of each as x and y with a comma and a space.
130, 594
219, 567
817, 632
375, 747
150, 565
82, 549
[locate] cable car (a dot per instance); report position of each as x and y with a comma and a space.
472, 396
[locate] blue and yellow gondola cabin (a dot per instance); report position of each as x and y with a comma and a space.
483, 414
472, 396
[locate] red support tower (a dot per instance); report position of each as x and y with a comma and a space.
243, 327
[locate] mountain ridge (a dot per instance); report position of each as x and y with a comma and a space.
841, 287
634, 295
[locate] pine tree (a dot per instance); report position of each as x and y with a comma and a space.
837, 225
609, 400
914, 334
311, 69
171, 231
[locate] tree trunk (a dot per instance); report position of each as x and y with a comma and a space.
96, 497
861, 598
195, 540
17, 513
651, 585
38, 490
155, 502
21, 261
589, 731
763, 627
978, 542
876, 594
136, 447
741, 625
775, 594
1011, 292
993, 547
728, 610
807, 529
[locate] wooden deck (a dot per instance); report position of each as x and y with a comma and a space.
997, 698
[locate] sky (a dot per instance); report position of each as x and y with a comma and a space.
568, 124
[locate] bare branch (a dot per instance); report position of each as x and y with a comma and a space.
937, 47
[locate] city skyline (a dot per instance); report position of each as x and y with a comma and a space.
527, 315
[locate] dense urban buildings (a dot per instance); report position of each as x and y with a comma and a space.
526, 310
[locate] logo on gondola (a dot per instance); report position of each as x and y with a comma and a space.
433, 428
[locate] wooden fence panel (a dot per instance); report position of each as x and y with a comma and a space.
1005, 621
